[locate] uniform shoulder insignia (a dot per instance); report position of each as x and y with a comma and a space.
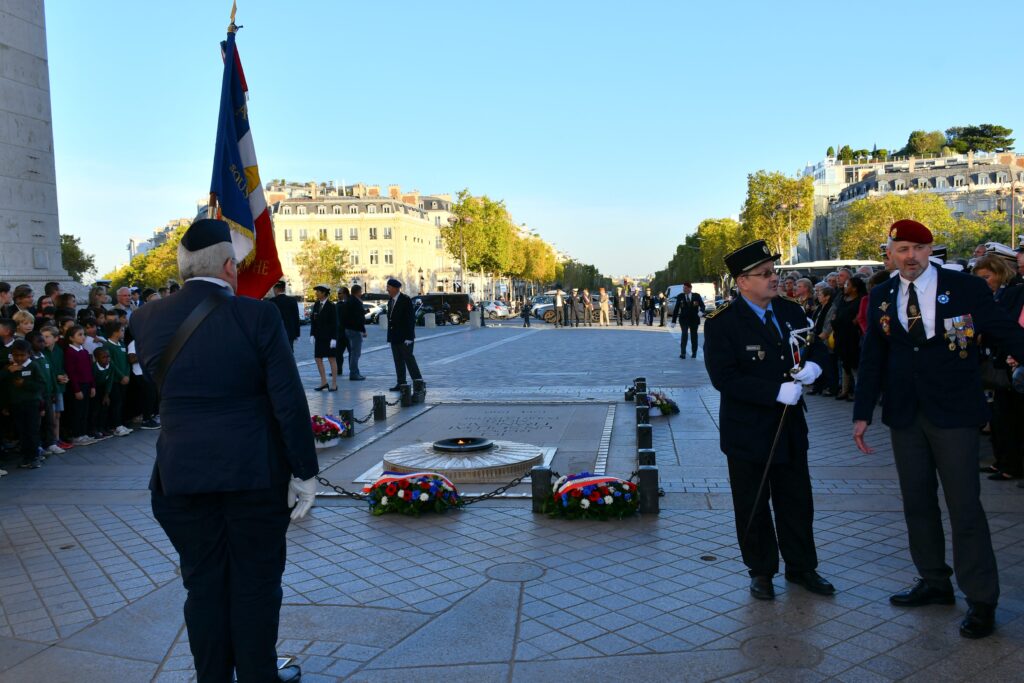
718, 310
789, 298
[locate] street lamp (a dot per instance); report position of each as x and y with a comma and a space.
789, 209
461, 221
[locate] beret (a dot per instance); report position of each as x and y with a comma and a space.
205, 233
323, 288
906, 230
392, 282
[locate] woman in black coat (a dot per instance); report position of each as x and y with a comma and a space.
323, 332
848, 333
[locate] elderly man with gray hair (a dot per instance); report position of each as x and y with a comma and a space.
236, 452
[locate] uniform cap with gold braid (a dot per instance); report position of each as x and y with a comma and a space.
748, 256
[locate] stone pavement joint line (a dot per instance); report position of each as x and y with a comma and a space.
89, 588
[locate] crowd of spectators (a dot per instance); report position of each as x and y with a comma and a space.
837, 305
69, 376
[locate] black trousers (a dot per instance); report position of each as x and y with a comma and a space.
232, 552
116, 407
26, 423
688, 330
1008, 431
402, 354
789, 490
923, 451
77, 410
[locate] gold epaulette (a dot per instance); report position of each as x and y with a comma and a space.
717, 310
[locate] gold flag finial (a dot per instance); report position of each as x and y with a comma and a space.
234, 8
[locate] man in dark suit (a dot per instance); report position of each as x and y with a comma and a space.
688, 310
401, 333
235, 450
920, 351
353, 321
749, 357
289, 310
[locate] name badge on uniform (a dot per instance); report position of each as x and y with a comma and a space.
757, 348
26, 373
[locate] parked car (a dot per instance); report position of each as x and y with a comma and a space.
451, 307
495, 309
546, 311
372, 310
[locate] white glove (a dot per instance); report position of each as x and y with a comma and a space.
334, 343
408, 342
312, 340
808, 373
301, 495
789, 393
673, 325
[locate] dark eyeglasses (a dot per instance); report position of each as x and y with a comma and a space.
764, 274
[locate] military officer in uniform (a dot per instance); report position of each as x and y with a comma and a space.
688, 310
401, 333
235, 449
920, 351
749, 359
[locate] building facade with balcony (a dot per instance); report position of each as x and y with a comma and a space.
390, 234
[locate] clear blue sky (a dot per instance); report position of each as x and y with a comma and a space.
612, 128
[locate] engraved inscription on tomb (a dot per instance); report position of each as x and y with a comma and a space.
499, 423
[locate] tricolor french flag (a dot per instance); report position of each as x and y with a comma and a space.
236, 187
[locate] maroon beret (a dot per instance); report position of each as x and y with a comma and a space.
907, 230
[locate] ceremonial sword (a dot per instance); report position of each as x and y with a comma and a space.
795, 340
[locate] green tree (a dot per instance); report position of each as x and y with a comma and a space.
718, 237
777, 209
75, 260
986, 137
921, 142
321, 262
868, 220
830, 152
153, 268
685, 265
845, 154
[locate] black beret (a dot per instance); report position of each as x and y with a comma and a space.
205, 233
392, 282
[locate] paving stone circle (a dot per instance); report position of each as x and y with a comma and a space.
780, 651
515, 572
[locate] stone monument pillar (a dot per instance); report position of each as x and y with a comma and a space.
29, 229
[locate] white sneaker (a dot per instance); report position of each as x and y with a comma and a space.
55, 450
122, 431
83, 440
3, 473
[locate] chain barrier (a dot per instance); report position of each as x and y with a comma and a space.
496, 492
635, 476
341, 490
364, 420
391, 403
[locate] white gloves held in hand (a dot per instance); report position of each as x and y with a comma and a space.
808, 373
334, 343
408, 342
312, 340
301, 495
789, 393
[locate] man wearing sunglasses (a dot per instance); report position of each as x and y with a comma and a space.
751, 361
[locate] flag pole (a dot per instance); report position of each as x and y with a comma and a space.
211, 208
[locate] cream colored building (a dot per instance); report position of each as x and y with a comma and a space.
390, 234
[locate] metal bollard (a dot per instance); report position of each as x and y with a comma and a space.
640, 398
419, 391
348, 417
648, 486
643, 415
645, 457
406, 395
540, 486
644, 436
380, 408
640, 384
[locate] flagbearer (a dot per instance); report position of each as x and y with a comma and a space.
747, 351
235, 446
920, 352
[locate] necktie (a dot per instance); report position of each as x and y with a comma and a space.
915, 323
769, 322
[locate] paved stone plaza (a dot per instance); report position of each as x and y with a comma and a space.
89, 587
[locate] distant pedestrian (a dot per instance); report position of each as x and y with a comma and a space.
526, 312
619, 304
557, 307
588, 308
323, 331
289, 310
353, 321
603, 303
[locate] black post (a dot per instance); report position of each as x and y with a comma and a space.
643, 415
406, 395
648, 486
419, 391
380, 408
540, 486
644, 436
348, 417
640, 398
640, 384
645, 457
630, 394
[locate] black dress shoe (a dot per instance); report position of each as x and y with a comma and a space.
761, 587
923, 593
811, 581
693, 356
397, 387
683, 356
289, 674
979, 621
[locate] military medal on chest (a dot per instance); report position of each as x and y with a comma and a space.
961, 334
884, 320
